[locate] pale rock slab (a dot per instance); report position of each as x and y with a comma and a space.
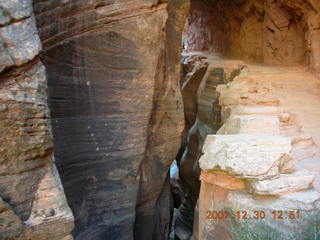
303, 201
297, 181
245, 91
311, 164
227, 111
244, 155
251, 124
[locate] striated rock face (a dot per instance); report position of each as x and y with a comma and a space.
113, 73
33, 205
277, 32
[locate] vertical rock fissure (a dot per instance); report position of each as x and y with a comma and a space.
222, 39
203, 117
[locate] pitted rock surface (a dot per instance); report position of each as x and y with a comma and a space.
245, 155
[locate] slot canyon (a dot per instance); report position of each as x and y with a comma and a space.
134, 119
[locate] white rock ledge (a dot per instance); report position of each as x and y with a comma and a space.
245, 156
297, 181
251, 124
304, 201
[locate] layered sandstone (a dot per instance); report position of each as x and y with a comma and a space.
33, 204
113, 74
255, 107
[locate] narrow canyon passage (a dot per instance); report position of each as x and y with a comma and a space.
268, 49
98, 98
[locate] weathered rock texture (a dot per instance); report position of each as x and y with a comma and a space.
276, 178
297, 181
254, 99
202, 118
117, 113
278, 32
33, 204
248, 156
113, 73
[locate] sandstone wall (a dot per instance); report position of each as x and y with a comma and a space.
202, 114
276, 32
32, 201
113, 74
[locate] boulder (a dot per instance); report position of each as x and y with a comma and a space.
303, 201
227, 111
251, 124
244, 155
296, 181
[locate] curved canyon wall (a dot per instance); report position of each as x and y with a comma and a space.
116, 110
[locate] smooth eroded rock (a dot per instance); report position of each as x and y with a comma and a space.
113, 74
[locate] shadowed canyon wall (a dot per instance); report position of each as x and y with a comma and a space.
113, 74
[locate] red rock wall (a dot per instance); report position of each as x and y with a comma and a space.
275, 32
